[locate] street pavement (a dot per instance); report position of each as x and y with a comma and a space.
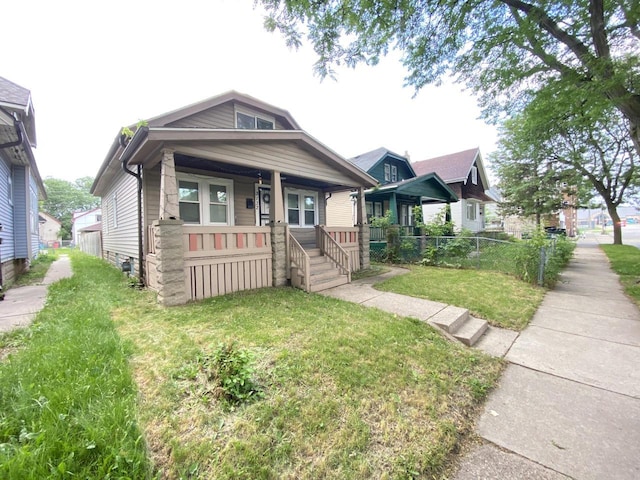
568, 404
22, 304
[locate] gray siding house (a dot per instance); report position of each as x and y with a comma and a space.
20, 182
225, 195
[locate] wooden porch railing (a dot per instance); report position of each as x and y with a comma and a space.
332, 249
299, 259
349, 240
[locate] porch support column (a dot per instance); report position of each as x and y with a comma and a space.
279, 264
363, 230
276, 212
393, 206
170, 262
169, 207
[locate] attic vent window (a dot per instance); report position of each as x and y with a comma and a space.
253, 122
474, 175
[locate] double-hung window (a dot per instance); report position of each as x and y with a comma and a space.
302, 208
471, 211
205, 200
387, 172
394, 173
474, 175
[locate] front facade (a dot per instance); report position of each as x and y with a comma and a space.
464, 173
399, 188
20, 182
232, 196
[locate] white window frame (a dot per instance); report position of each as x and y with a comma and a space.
255, 116
474, 175
204, 201
387, 172
301, 194
473, 217
394, 173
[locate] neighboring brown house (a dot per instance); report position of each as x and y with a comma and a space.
464, 173
232, 197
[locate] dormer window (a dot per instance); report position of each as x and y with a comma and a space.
474, 175
250, 121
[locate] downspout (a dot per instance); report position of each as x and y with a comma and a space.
16, 124
138, 177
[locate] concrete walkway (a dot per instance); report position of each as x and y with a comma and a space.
568, 405
21, 304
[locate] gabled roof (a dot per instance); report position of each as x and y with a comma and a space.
430, 187
96, 227
367, 161
230, 96
454, 167
76, 215
44, 216
12, 94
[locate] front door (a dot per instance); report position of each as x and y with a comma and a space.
263, 202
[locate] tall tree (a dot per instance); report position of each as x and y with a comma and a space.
64, 198
577, 136
503, 49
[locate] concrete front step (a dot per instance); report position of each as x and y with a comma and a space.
471, 331
459, 324
336, 281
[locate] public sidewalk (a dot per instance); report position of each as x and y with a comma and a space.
568, 405
22, 304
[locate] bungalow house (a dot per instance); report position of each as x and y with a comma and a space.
399, 188
20, 182
224, 195
464, 173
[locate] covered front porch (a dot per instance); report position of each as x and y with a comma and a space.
220, 223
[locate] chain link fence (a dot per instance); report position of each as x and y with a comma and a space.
537, 261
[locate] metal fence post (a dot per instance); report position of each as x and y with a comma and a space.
541, 266
477, 253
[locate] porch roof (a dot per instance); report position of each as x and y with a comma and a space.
145, 146
429, 187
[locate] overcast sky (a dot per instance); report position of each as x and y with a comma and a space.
94, 67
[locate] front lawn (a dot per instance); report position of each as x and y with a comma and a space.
501, 299
625, 261
104, 385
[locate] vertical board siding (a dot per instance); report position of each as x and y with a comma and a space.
7, 248
221, 260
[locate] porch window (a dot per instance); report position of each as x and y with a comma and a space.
302, 208
394, 173
251, 121
406, 212
205, 200
369, 208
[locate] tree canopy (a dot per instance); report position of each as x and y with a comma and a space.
65, 197
562, 139
505, 50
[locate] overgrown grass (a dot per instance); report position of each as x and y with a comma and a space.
67, 397
501, 299
625, 261
37, 270
348, 392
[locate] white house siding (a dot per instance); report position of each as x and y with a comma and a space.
120, 239
7, 248
476, 225
85, 219
340, 209
458, 215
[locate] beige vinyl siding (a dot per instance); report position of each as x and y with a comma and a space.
218, 117
120, 240
151, 198
244, 188
340, 210
280, 156
222, 116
